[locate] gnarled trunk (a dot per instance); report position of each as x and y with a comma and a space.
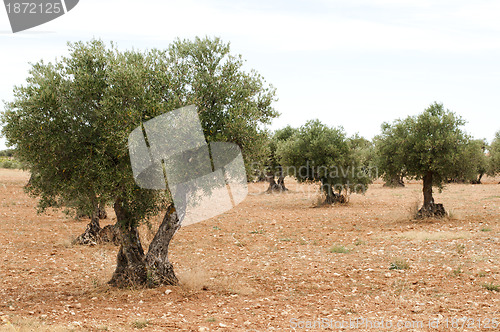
427, 190
160, 270
478, 180
429, 208
394, 182
331, 196
130, 267
273, 186
94, 233
91, 234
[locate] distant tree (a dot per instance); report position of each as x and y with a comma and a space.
431, 147
318, 153
274, 169
7, 153
389, 154
494, 149
474, 162
364, 154
70, 125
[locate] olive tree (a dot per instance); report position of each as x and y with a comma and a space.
273, 167
70, 124
429, 147
389, 154
318, 153
474, 162
494, 160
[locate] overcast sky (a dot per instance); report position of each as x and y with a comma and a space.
355, 63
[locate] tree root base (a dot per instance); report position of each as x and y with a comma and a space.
431, 211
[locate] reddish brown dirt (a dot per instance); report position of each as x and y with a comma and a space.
265, 265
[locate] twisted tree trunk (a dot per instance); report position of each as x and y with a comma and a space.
91, 234
273, 186
160, 270
429, 208
394, 182
130, 267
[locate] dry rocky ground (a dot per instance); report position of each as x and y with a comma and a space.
273, 263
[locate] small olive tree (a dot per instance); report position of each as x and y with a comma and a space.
318, 153
274, 169
430, 148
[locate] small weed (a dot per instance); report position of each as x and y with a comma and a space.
458, 271
481, 274
338, 249
399, 264
239, 244
286, 239
95, 282
492, 287
486, 229
359, 243
460, 248
211, 319
217, 228
140, 323
303, 242
258, 231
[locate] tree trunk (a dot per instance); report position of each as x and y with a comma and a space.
101, 208
130, 267
91, 234
331, 196
94, 233
273, 186
160, 270
478, 181
429, 208
395, 181
427, 190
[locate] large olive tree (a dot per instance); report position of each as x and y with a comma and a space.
70, 124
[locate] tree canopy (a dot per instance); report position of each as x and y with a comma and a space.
494, 149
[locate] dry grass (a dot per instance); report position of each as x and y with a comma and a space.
21, 324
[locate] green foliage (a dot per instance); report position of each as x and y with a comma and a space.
232, 104
273, 164
70, 122
399, 264
491, 287
9, 163
473, 163
364, 153
7, 153
494, 149
339, 249
431, 142
318, 153
389, 150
